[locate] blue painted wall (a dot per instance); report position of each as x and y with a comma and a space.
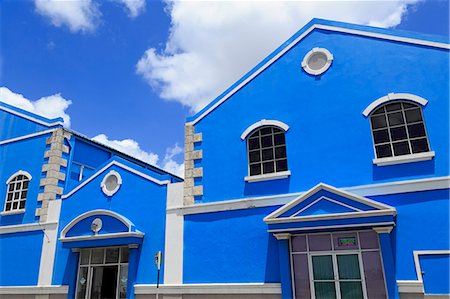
227, 247
20, 257
329, 139
141, 201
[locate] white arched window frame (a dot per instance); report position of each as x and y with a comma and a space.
266, 151
16, 192
398, 129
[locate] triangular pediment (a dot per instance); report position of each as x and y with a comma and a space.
324, 202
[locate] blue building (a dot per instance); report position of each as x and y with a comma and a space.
322, 173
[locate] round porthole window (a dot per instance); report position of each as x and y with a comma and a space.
111, 183
317, 61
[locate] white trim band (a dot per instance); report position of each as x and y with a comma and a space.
262, 123
41, 122
404, 159
33, 290
216, 288
267, 176
26, 136
394, 97
20, 228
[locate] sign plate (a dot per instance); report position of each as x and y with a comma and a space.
346, 241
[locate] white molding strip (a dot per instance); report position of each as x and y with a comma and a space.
393, 97
29, 227
303, 35
36, 120
410, 286
102, 237
267, 176
216, 288
284, 230
26, 136
118, 164
33, 290
417, 185
264, 122
404, 159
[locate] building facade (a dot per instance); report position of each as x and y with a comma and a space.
322, 173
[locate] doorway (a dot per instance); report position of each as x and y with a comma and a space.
102, 273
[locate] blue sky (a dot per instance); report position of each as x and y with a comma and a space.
134, 70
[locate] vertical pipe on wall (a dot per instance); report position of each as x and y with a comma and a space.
285, 268
388, 260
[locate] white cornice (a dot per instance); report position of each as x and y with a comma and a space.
103, 236
33, 290
213, 288
26, 136
118, 164
282, 199
33, 119
302, 36
19, 228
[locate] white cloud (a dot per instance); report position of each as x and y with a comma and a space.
212, 44
78, 15
134, 7
51, 106
132, 148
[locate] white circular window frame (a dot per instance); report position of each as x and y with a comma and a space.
119, 183
322, 70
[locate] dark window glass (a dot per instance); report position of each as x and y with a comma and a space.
8, 206
398, 133
419, 145
396, 118
25, 185
381, 136
413, 115
267, 151
16, 195
19, 178
255, 169
393, 107
23, 195
416, 130
22, 204
378, 121
378, 111
401, 148
9, 197
383, 150
408, 105
11, 187
14, 205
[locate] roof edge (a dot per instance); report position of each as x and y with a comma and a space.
54, 122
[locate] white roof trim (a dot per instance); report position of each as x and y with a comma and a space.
143, 175
77, 219
322, 186
264, 122
302, 36
20, 172
102, 237
394, 97
36, 120
26, 136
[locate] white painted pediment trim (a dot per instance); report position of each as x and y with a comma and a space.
393, 97
262, 123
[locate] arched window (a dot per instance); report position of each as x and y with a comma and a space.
267, 151
16, 194
398, 129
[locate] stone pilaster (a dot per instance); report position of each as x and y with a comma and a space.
52, 171
190, 173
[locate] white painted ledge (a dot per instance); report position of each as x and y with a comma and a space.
410, 286
404, 159
34, 290
220, 288
267, 177
13, 212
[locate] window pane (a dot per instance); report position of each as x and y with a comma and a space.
325, 290
393, 107
282, 165
84, 257
280, 152
112, 255
8, 206
97, 256
268, 167
398, 133
266, 141
25, 185
279, 139
11, 187
381, 136
351, 290
408, 105
413, 115
416, 130
419, 145
378, 121
15, 204
255, 169
401, 148
378, 111
396, 118
18, 185
253, 143
267, 154
299, 244
123, 280
383, 151
255, 156
266, 131
22, 204
23, 194
10, 195
82, 282
322, 267
124, 255
16, 195
348, 266
255, 134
